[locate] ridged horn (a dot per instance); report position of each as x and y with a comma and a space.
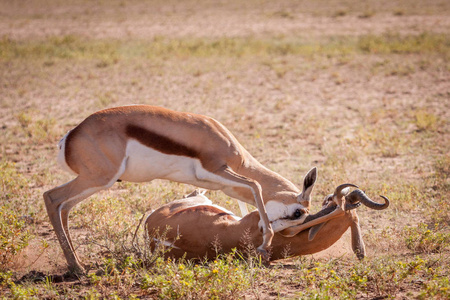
319, 214
358, 195
350, 206
339, 189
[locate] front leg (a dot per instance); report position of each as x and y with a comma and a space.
233, 179
357, 241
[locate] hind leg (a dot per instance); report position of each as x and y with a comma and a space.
65, 223
60, 200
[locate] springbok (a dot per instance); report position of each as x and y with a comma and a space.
194, 228
139, 143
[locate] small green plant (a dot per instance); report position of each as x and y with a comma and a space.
323, 282
381, 140
222, 278
399, 44
11, 181
439, 288
37, 129
427, 239
425, 121
13, 236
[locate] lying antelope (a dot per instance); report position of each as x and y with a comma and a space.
140, 143
193, 227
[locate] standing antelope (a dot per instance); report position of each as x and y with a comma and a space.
195, 229
139, 143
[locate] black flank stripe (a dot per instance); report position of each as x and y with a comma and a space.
159, 142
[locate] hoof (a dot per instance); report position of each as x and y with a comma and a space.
265, 255
75, 271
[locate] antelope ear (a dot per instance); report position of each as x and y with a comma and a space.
308, 185
313, 231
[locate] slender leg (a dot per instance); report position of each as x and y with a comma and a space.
357, 241
65, 223
59, 201
243, 208
238, 180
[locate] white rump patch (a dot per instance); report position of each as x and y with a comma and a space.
61, 155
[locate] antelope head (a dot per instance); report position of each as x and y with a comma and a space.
287, 215
352, 201
341, 200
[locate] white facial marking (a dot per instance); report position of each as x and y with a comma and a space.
277, 210
281, 224
280, 213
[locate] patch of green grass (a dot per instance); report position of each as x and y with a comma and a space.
400, 69
390, 43
15, 291
64, 47
109, 51
425, 121
14, 236
442, 173
12, 182
438, 288
37, 129
15, 194
382, 277
222, 278
424, 238
440, 189
381, 140
100, 216
407, 196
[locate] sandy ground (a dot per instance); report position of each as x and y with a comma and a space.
22, 20
251, 99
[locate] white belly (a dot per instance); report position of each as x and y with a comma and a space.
145, 164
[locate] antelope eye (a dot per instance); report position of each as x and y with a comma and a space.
297, 213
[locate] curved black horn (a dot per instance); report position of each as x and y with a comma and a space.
358, 195
350, 206
339, 189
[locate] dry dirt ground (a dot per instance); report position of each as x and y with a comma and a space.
379, 120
